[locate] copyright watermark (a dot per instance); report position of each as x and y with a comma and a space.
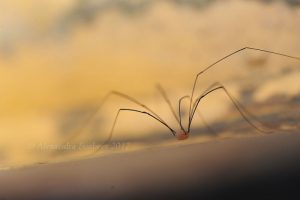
69, 147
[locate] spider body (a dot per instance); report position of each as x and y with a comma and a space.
182, 135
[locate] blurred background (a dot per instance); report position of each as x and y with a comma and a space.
58, 59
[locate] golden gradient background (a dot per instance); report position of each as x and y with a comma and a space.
59, 58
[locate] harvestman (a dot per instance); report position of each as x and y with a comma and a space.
193, 104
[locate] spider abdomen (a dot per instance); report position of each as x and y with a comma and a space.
182, 135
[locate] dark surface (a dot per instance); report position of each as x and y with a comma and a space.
258, 167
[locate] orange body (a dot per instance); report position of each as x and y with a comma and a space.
182, 135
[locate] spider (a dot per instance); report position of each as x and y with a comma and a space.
184, 132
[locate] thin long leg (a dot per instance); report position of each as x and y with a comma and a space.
243, 109
132, 110
166, 98
179, 119
209, 128
235, 103
106, 97
179, 111
216, 84
224, 58
200, 115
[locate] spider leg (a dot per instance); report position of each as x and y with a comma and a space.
208, 127
200, 115
132, 110
216, 84
179, 119
226, 57
106, 97
166, 98
244, 113
179, 110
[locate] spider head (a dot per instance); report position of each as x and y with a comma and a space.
182, 135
